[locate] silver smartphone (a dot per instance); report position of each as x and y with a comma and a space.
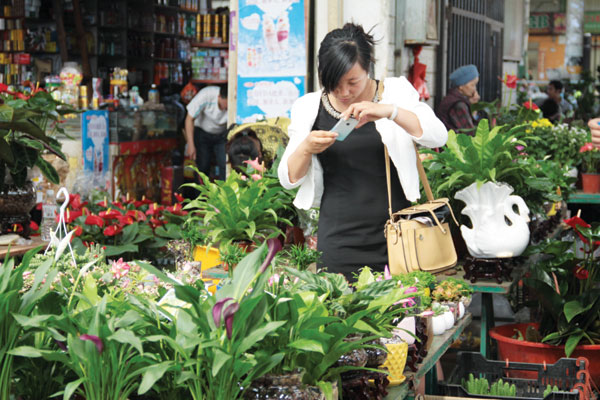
344, 127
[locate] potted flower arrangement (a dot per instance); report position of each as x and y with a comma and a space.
564, 275
242, 209
590, 177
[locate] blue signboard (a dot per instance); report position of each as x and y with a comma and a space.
271, 57
94, 139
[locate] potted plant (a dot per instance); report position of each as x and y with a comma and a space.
240, 208
24, 139
301, 256
590, 177
564, 275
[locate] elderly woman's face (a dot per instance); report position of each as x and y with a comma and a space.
469, 88
352, 85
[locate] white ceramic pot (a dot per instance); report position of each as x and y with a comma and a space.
449, 319
498, 229
406, 330
439, 324
461, 310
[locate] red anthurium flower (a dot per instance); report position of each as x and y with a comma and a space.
154, 209
22, 96
530, 105
75, 201
118, 204
72, 215
125, 220
3, 87
581, 273
34, 227
176, 209
137, 214
112, 230
155, 223
574, 223
103, 203
78, 230
94, 220
109, 214
179, 197
38, 206
94, 339
511, 81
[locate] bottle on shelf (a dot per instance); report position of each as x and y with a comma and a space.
153, 95
48, 215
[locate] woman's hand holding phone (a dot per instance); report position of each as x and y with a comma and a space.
367, 111
318, 141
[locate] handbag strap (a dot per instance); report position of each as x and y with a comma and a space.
422, 177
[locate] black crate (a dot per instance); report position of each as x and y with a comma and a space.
562, 374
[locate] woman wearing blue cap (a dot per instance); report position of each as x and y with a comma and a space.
455, 108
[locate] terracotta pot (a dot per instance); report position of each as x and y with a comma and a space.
590, 183
539, 353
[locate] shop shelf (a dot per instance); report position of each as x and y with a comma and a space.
212, 45
209, 81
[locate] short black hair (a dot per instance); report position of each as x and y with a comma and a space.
550, 109
244, 145
223, 91
340, 50
557, 84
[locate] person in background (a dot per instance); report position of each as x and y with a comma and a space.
243, 146
554, 106
455, 108
347, 178
594, 125
206, 129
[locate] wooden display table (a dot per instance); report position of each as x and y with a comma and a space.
439, 346
19, 250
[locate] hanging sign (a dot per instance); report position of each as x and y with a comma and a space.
271, 69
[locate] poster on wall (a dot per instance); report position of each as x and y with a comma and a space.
94, 140
271, 68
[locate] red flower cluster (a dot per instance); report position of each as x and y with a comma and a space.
530, 105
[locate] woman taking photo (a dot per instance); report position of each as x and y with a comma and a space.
347, 179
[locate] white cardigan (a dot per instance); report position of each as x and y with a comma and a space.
398, 91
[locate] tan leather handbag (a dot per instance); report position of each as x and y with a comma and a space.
416, 239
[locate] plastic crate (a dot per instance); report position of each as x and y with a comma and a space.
562, 374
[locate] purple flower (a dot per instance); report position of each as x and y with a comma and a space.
228, 314
217, 309
61, 345
94, 339
274, 247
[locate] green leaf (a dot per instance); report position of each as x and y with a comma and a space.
26, 351
307, 345
6, 113
572, 342
127, 337
219, 360
6, 152
574, 308
48, 170
152, 374
71, 388
112, 251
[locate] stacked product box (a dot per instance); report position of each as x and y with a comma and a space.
210, 64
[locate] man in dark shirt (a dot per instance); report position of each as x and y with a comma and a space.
455, 109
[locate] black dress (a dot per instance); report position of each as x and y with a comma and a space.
354, 206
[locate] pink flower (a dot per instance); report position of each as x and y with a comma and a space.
256, 165
255, 177
274, 279
120, 268
426, 313
386, 273
410, 289
586, 147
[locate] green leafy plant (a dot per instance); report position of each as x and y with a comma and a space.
482, 386
590, 158
240, 210
302, 256
231, 254
451, 289
558, 142
24, 138
565, 281
14, 305
492, 155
